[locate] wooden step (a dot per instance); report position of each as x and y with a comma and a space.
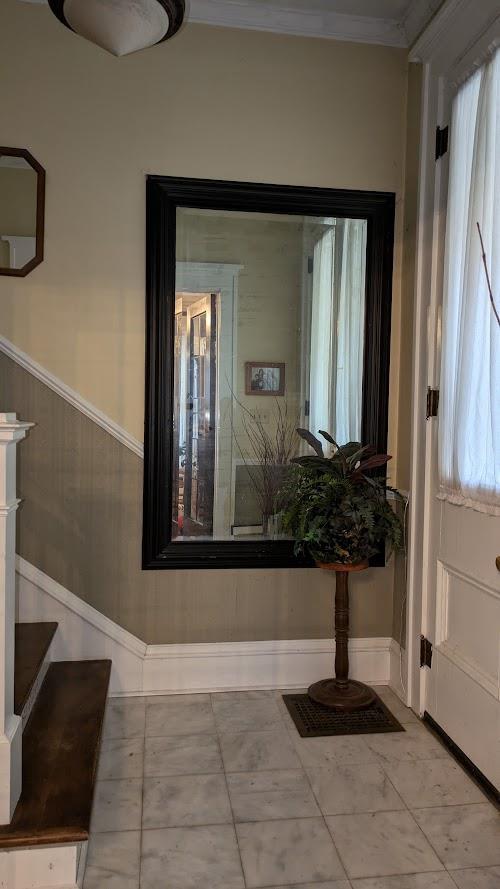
32, 642
60, 753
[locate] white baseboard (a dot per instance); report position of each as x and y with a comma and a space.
178, 669
43, 867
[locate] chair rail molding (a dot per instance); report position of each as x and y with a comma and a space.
11, 432
71, 396
140, 669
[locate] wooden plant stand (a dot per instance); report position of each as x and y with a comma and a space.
340, 692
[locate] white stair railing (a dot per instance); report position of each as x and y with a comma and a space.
11, 431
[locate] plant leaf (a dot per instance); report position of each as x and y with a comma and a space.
312, 441
373, 462
368, 450
311, 461
328, 437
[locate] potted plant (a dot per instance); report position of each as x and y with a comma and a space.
340, 516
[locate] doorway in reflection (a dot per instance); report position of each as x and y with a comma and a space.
195, 368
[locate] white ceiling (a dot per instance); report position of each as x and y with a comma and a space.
387, 22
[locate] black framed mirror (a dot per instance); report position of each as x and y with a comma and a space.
22, 211
268, 308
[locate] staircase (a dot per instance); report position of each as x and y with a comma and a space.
62, 707
47, 773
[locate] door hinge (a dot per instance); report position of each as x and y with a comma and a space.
307, 408
432, 403
441, 141
310, 265
425, 652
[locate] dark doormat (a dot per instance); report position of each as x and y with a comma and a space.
314, 720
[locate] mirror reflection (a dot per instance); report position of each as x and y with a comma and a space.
18, 212
269, 336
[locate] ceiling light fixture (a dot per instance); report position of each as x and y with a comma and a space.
121, 26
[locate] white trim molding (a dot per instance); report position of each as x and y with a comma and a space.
397, 659
452, 44
178, 669
11, 433
72, 397
44, 867
299, 22
278, 16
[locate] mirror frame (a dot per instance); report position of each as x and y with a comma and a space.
40, 212
163, 195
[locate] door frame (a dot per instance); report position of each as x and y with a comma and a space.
458, 37
221, 278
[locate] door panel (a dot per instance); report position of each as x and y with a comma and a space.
467, 712
462, 688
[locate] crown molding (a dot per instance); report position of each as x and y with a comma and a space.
301, 23
418, 17
279, 18
457, 27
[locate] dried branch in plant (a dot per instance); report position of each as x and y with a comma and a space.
268, 453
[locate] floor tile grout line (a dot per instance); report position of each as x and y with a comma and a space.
230, 801
324, 817
142, 797
428, 840
452, 878
217, 733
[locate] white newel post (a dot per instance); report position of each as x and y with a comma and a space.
11, 431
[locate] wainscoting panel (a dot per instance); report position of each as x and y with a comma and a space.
80, 522
176, 669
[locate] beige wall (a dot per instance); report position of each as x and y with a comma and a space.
80, 522
406, 341
18, 190
211, 103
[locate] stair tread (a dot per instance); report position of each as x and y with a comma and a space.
60, 755
32, 641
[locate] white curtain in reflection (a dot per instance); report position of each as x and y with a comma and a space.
337, 331
469, 424
350, 330
323, 322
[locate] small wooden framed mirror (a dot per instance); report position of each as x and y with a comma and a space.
22, 211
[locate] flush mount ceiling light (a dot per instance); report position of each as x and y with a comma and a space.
121, 26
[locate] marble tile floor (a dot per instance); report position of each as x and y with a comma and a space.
220, 792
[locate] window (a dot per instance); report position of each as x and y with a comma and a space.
469, 432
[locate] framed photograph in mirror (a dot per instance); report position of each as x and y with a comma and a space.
235, 270
265, 378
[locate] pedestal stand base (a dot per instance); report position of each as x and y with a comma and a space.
350, 695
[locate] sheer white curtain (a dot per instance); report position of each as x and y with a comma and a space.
469, 426
350, 335
321, 391
337, 330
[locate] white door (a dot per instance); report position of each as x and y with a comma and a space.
460, 577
